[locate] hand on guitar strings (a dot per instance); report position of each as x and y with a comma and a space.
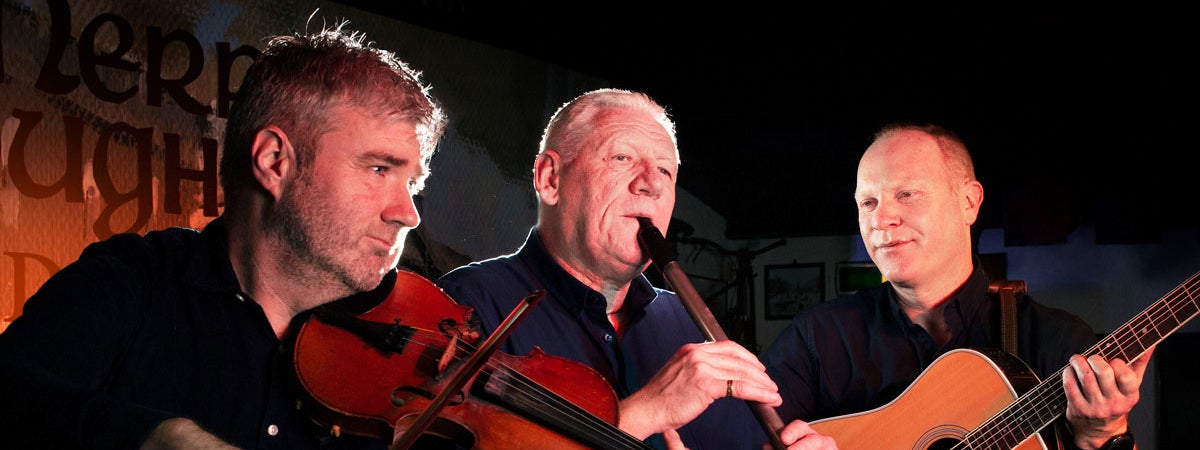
1100, 395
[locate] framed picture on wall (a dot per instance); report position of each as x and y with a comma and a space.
788, 288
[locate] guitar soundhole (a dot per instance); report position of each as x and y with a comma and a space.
944, 444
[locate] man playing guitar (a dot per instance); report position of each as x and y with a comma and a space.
917, 198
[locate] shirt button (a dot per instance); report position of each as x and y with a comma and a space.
240, 297
608, 338
273, 430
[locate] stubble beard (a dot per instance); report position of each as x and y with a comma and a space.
306, 228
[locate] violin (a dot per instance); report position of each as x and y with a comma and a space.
394, 371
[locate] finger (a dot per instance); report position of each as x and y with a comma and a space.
751, 385
721, 364
1105, 375
755, 378
1139, 365
752, 392
1127, 377
734, 352
793, 431
1070, 381
1085, 378
799, 435
707, 368
671, 437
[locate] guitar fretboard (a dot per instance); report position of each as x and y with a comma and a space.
1047, 401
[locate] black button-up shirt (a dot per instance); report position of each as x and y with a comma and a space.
141, 329
860, 351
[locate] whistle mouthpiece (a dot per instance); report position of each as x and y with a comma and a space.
653, 242
646, 223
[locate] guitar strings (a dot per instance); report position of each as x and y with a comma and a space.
1045, 398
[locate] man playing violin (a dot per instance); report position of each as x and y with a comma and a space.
173, 339
607, 158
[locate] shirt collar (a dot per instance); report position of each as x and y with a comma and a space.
209, 268
965, 302
972, 297
575, 296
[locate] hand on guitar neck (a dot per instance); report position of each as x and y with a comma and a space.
1100, 395
979, 404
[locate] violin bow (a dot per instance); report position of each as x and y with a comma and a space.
466, 372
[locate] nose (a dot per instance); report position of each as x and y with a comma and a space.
402, 210
882, 217
648, 182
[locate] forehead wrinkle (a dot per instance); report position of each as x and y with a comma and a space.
614, 130
642, 142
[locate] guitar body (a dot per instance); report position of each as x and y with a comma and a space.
989, 400
959, 391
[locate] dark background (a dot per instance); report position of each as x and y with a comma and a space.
1076, 114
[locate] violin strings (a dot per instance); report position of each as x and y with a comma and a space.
532, 389
591, 424
545, 397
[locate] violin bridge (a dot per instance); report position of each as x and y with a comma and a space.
447, 355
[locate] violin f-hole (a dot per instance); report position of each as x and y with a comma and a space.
401, 394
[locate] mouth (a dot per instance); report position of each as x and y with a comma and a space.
644, 222
388, 243
891, 245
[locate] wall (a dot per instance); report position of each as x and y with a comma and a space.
90, 147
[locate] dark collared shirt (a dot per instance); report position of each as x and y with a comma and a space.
860, 351
571, 322
141, 329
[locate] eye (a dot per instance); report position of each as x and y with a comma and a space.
416, 185
622, 157
867, 205
381, 170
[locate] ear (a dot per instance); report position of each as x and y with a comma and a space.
972, 200
546, 172
272, 159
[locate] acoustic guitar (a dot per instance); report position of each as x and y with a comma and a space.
989, 400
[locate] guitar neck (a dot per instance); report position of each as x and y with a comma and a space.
1047, 401
1153, 325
